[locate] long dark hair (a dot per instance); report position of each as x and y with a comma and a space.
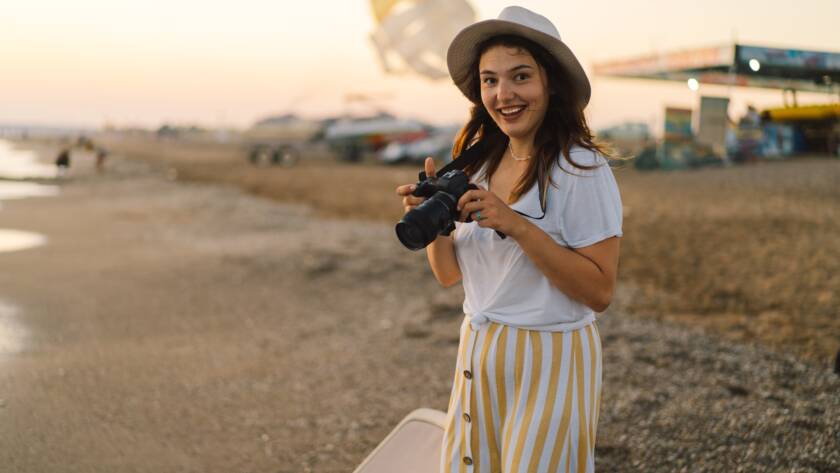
563, 126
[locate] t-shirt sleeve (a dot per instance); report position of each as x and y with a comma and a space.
592, 209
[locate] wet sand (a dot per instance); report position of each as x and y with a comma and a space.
174, 326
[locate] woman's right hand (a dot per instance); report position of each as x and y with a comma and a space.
409, 201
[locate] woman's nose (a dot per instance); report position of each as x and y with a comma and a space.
505, 91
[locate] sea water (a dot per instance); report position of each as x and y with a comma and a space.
22, 164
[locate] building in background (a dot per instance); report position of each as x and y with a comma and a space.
788, 130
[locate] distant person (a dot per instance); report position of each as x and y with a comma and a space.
527, 388
750, 135
62, 162
101, 155
751, 117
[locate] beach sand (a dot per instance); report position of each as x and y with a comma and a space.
187, 326
749, 252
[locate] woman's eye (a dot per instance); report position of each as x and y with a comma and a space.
522, 76
488, 81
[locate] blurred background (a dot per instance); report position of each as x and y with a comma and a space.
196, 229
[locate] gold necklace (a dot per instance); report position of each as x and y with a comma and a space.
515, 157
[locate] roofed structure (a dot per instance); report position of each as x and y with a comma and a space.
738, 65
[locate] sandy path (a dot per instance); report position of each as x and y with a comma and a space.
182, 327
191, 327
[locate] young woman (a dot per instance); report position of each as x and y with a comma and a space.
527, 383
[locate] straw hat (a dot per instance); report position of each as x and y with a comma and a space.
516, 21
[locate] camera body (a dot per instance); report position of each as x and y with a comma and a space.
453, 184
438, 213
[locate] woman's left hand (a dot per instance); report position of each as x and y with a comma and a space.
489, 211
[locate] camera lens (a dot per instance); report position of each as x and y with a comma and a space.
421, 225
412, 236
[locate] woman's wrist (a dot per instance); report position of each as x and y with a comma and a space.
520, 228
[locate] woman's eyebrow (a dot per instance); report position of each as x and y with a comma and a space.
513, 69
521, 66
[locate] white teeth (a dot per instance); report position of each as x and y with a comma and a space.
511, 110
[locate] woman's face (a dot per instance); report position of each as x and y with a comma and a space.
514, 90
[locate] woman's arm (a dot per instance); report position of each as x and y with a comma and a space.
444, 264
586, 274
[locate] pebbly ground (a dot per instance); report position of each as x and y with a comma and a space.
194, 328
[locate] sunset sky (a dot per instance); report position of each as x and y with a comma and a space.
90, 62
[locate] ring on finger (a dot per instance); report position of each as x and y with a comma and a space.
478, 216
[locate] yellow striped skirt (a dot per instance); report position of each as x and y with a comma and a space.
523, 401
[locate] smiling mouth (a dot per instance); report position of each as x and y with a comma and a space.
511, 111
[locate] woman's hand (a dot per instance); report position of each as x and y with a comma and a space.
489, 211
409, 201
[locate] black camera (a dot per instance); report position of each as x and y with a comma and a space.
438, 213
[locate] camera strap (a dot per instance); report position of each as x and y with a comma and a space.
467, 157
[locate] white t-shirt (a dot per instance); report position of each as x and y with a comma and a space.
502, 284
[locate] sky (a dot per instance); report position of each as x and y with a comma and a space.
91, 62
